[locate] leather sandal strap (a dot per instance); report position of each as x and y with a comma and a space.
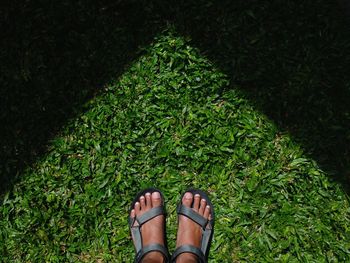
136, 235
189, 249
135, 229
206, 238
191, 214
151, 248
155, 211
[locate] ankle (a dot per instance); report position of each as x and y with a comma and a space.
153, 257
186, 258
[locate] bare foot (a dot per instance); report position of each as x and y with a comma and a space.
189, 232
152, 232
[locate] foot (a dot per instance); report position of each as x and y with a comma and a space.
152, 232
189, 232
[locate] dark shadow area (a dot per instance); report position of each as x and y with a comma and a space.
291, 59
54, 57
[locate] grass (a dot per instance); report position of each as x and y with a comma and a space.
173, 120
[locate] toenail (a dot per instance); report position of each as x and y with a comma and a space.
188, 195
156, 195
203, 200
197, 195
148, 193
208, 207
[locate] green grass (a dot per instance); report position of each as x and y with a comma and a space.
171, 121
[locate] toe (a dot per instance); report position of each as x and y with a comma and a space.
143, 202
196, 202
132, 213
187, 199
202, 206
148, 200
137, 208
207, 211
156, 199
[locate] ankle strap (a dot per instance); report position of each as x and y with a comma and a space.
189, 249
152, 248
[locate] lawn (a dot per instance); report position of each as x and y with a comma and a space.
173, 120
246, 100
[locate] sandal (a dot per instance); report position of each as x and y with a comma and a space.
207, 226
135, 229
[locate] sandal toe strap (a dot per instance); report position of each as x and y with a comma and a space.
152, 213
191, 214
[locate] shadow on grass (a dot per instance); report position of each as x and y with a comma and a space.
54, 57
292, 61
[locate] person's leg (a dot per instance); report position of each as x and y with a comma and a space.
189, 232
152, 232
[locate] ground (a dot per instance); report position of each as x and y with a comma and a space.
246, 100
171, 122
